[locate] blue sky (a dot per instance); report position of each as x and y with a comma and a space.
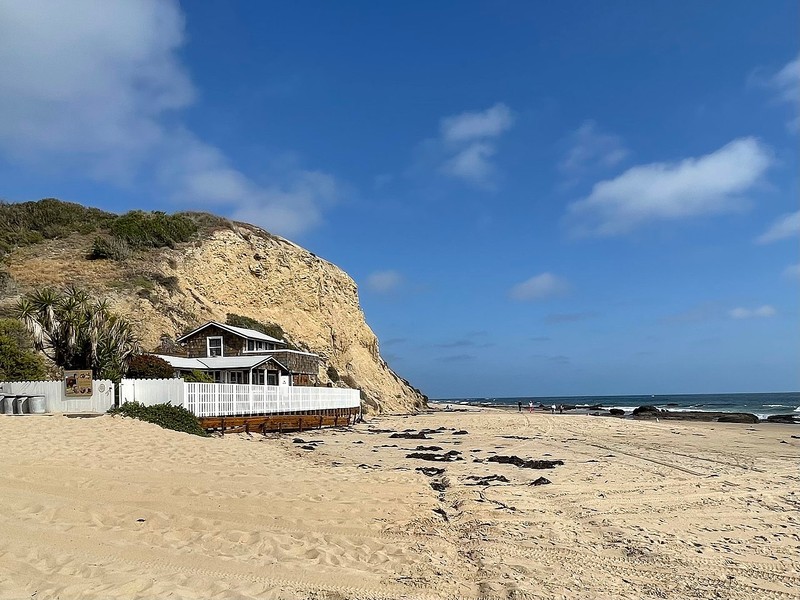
535, 198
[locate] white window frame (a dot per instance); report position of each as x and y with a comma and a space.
221, 345
258, 346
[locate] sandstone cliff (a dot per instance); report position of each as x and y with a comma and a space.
233, 269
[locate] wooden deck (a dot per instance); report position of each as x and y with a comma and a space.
336, 417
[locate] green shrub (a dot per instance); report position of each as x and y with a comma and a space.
18, 361
109, 248
26, 223
140, 229
147, 366
271, 329
198, 377
167, 416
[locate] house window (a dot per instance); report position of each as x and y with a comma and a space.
272, 378
256, 346
214, 346
258, 377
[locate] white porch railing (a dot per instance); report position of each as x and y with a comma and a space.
202, 399
227, 399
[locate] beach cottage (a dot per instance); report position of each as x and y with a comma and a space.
232, 354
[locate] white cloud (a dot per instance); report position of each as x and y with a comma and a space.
96, 88
470, 126
792, 272
785, 227
711, 184
539, 287
384, 282
590, 148
472, 163
762, 312
467, 143
787, 84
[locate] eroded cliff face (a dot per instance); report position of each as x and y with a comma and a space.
240, 270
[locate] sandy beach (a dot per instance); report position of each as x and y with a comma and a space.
114, 508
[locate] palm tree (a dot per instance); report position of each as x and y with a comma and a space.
77, 332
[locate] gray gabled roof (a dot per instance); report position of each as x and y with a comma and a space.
220, 363
250, 334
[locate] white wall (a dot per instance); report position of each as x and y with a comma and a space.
56, 402
152, 391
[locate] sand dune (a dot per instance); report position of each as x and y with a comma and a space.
115, 508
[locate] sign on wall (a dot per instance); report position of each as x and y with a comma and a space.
77, 383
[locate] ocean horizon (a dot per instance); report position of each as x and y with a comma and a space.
762, 405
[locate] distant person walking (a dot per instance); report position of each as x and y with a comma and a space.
553, 409
519, 404
530, 406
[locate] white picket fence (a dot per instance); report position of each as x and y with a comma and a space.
216, 400
228, 399
202, 399
55, 399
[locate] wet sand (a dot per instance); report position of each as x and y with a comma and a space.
115, 508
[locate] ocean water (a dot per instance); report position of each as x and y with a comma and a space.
761, 405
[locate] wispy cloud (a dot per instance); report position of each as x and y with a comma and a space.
539, 287
710, 184
464, 343
785, 85
468, 142
792, 272
456, 358
384, 282
590, 148
785, 227
98, 89
762, 312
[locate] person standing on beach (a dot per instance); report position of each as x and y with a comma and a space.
553, 409
530, 406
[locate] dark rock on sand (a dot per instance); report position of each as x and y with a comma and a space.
783, 419
446, 457
646, 411
410, 435
430, 448
461, 432
737, 418
487, 479
616, 412
430, 471
525, 464
541, 481
439, 486
651, 412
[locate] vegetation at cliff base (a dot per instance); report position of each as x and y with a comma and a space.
271, 329
147, 366
76, 331
18, 360
166, 415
